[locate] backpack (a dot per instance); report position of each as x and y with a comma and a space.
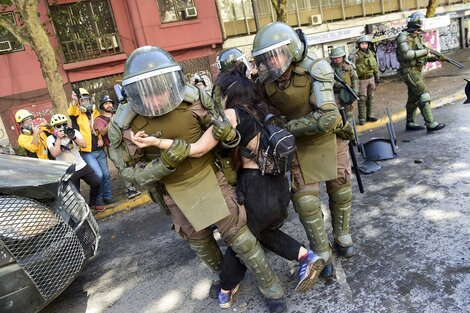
276, 149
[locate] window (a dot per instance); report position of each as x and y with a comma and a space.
8, 42
175, 10
86, 30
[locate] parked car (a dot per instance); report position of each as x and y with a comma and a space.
47, 232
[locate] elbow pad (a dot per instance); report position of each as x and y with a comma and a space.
151, 173
321, 121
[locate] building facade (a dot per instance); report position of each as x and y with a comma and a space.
93, 39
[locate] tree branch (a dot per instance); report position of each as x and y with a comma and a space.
19, 34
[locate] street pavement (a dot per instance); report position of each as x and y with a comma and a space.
411, 229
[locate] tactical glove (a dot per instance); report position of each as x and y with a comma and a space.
175, 154
223, 130
345, 131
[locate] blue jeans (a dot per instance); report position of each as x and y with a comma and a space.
98, 162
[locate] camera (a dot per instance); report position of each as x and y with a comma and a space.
69, 132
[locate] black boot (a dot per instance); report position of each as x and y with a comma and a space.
413, 127
345, 252
371, 119
438, 127
214, 290
276, 305
327, 271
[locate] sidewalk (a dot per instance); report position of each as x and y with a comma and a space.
445, 84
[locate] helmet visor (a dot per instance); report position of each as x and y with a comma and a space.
272, 62
156, 93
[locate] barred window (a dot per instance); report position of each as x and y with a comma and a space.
8, 42
86, 30
176, 10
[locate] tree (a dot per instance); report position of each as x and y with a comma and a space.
431, 9
31, 31
280, 6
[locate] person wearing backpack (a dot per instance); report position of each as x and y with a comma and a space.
264, 193
300, 86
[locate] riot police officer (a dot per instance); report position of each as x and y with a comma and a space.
196, 194
346, 71
227, 59
413, 54
367, 71
301, 88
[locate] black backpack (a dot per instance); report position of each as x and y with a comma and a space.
276, 149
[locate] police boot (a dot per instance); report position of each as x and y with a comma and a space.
308, 206
340, 206
369, 105
361, 107
411, 118
209, 252
276, 305
426, 112
250, 252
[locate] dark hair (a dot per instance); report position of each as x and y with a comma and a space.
243, 93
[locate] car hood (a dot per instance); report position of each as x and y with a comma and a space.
30, 177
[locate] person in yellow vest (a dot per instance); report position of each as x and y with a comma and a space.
33, 137
83, 114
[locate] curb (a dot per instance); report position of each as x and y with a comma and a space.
401, 115
122, 206
127, 205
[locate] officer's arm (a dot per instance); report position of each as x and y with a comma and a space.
406, 52
354, 79
325, 115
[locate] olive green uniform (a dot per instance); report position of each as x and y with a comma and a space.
368, 74
347, 73
197, 195
307, 100
412, 54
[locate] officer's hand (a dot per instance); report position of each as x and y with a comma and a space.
223, 130
345, 131
177, 153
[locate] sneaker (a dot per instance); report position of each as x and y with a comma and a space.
226, 299
132, 192
310, 268
98, 207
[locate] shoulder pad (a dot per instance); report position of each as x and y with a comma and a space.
124, 115
191, 93
402, 37
321, 71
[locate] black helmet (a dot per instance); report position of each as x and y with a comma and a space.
153, 81
228, 58
415, 21
105, 99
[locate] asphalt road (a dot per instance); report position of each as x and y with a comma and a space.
411, 229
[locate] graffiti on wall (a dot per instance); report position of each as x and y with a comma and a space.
432, 40
386, 56
449, 36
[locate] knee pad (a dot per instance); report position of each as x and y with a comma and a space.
209, 252
243, 241
341, 194
424, 99
307, 205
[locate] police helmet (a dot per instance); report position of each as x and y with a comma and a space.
337, 52
275, 47
415, 21
228, 58
154, 81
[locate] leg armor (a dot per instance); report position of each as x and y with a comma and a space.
250, 252
307, 205
370, 107
361, 107
411, 110
340, 206
208, 251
